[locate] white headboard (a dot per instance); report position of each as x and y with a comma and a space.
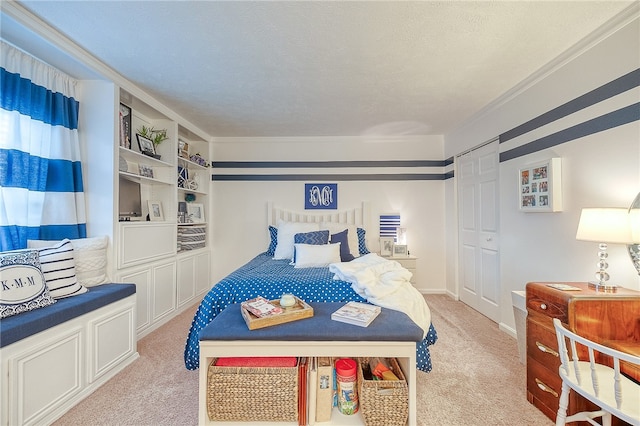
357, 216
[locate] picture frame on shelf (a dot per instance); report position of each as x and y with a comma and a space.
155, 211
539, 186
146, 145
386, 246
400, 250
145, 170
195, 212
125, 126
183, 149
183, 176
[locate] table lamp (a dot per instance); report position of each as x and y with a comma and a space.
604, 225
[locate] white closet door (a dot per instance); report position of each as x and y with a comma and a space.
478, 198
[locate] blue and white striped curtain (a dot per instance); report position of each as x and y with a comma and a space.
41, 192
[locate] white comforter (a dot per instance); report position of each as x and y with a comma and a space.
385, 283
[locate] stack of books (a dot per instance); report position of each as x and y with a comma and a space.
261, 307
356, 313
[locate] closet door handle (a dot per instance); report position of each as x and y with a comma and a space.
546, 349
546, 388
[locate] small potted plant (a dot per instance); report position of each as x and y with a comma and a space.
155, 136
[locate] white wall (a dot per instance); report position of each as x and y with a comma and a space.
240, 208
602, 169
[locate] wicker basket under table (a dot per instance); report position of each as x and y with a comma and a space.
383, 402
252, 393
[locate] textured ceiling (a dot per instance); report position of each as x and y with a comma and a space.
242, 69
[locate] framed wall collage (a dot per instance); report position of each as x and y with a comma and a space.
540, 186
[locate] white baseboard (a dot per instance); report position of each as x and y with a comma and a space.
507, 329
432, 291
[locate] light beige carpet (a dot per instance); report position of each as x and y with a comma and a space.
476, 378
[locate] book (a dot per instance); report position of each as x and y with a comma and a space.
312, 391
356, 313
324, 393
302, 391
564, 287
261, 307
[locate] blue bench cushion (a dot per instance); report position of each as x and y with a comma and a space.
389, 325
20, 326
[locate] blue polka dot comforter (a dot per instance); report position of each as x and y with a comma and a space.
263, 276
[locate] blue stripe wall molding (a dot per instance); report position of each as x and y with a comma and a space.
607, 121
336, 177
324, 164
604, 122
606, 91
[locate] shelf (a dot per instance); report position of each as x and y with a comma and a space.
190, 163
337, 418
141, 158
142, 179
195, 191
193, 224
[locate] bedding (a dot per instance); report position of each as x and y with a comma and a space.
264, 276
385, 283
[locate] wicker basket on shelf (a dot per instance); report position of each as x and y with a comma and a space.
252, 394
383, 402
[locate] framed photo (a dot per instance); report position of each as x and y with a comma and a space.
195, 212
386, 246
183, 176
400, 250
155, 211
145, 145
145, 170
539, 186
125, 126
183, 149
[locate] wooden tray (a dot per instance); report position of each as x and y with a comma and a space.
296, 312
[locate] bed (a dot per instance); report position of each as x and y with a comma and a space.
268, 277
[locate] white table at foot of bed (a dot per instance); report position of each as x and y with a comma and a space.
392, 334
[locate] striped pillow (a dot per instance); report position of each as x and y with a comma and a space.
59, 268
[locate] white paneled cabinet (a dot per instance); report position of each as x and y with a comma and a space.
194, 277
203, 272
167, 286
186, 280
163, 291
156, 293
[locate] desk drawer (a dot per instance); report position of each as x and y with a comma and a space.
542, 345
544, 385
548, 308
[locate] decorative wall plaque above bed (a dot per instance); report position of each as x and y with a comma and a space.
320, 196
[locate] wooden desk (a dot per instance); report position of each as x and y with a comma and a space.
612, 319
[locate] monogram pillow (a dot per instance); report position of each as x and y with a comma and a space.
22, 284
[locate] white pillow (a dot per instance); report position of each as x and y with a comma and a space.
316, 256
286, 233
90, 255
352, 235
59, 269
22, 266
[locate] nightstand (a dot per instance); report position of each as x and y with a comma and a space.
408, 263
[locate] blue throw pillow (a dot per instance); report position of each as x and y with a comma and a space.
273, 233
362, 244
315, 238
343, 239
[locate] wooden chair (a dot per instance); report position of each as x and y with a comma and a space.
614, 393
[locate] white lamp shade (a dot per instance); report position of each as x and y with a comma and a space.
605, 225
